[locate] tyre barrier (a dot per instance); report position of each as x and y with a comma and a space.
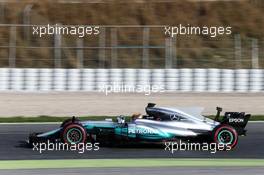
180, 80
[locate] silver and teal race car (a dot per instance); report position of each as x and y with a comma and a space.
158, 125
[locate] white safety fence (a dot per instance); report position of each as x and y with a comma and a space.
185, 80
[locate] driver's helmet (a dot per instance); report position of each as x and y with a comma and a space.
136, 116
121, 119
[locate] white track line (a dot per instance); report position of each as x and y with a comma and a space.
43, 123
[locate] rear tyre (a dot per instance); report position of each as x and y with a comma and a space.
225, 134
74, 133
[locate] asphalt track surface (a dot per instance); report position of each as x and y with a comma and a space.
145, 171
14, 147
113, 104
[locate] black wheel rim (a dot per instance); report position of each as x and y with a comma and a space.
225, 137
74, 135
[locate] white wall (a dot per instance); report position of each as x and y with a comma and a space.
183, 80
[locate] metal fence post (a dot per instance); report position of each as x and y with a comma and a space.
145, 54
168, 53
57, 50
255, 54
2, 12
114, 48
102, 48
26, 20
174, 52
12, 47
238, 51
79, 53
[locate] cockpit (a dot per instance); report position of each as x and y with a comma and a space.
169, 114
162, 114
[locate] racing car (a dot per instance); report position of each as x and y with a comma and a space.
159, 124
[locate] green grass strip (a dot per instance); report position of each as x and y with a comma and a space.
122, 163
22, 119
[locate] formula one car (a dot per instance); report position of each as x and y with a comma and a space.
159, 124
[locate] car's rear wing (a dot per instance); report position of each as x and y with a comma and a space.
238, 120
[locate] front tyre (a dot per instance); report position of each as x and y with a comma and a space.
74, 134
225, 134
69, 121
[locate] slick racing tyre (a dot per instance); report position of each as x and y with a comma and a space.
226, 135
68, 121
74, 133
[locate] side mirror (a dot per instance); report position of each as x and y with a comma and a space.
73, 119
151, 105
